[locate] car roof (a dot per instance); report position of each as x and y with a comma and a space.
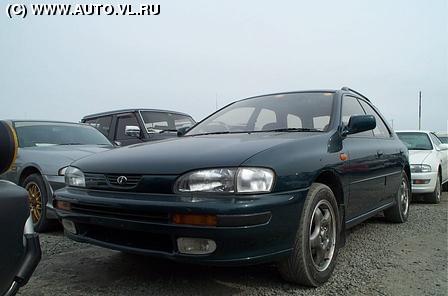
413, 131
44, 121
131, 110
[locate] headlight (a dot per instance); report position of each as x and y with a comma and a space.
61, 171
420, 168
227, 180
74, 177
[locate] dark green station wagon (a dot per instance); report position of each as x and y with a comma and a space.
273, 178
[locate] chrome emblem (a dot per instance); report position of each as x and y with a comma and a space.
122, 180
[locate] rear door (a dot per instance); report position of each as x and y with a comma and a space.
365, 165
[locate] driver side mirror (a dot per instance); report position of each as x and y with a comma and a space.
183, 130
359, 124
132, 131
8, 147
443, 147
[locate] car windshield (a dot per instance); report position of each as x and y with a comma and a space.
156, 122
415, 140
36, 134
290, 112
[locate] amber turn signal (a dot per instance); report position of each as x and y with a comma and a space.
195, 219
63, 205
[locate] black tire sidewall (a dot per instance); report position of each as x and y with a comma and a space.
322, 192
37, 179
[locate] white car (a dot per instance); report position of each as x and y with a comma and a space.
428, 158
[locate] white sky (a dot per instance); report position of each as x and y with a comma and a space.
62, 68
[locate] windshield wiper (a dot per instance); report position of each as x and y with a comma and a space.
215, 133
64, 144
168, 130
295, 129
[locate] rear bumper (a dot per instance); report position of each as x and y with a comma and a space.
424, 188
154, 232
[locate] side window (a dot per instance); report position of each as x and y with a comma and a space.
265, 117
381, 129
293, 121
351, 106
435, 140
122, 122
101, 123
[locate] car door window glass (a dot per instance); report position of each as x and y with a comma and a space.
101, 123
124, 121
293, 121
350, 107
266, 119
435, 140
381, 129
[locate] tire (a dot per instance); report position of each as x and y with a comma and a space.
37, 196
301, 266
399, 212
435, 196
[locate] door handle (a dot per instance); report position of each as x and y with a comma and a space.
379, 153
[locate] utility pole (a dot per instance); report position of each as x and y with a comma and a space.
216, 101
419, 110
392, 121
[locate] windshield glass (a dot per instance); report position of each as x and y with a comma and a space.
282, 112
156, 122
415, 141
35, 134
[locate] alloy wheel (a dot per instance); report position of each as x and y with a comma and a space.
404, 197
35, 199
322, 237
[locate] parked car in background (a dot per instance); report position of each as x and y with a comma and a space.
19, 245
46, 148
270, 178
443, 137
132, 126
428, 157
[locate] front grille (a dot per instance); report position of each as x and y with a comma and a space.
134, 183
130, 180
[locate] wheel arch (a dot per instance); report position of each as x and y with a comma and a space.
27, 171
333, 180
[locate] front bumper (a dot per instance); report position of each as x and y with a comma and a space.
424, 188
53, 183
142, 223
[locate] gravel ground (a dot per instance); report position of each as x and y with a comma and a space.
378, 259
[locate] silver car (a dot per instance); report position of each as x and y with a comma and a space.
45, 150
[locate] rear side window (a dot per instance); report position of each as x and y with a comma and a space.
350, 107
101, 123
381, 129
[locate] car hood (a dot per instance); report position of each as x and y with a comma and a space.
175, 156
418, 156
51, 158
70, 152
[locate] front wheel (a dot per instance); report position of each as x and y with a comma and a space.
313, 257
399, 212
37, 196
435, 196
